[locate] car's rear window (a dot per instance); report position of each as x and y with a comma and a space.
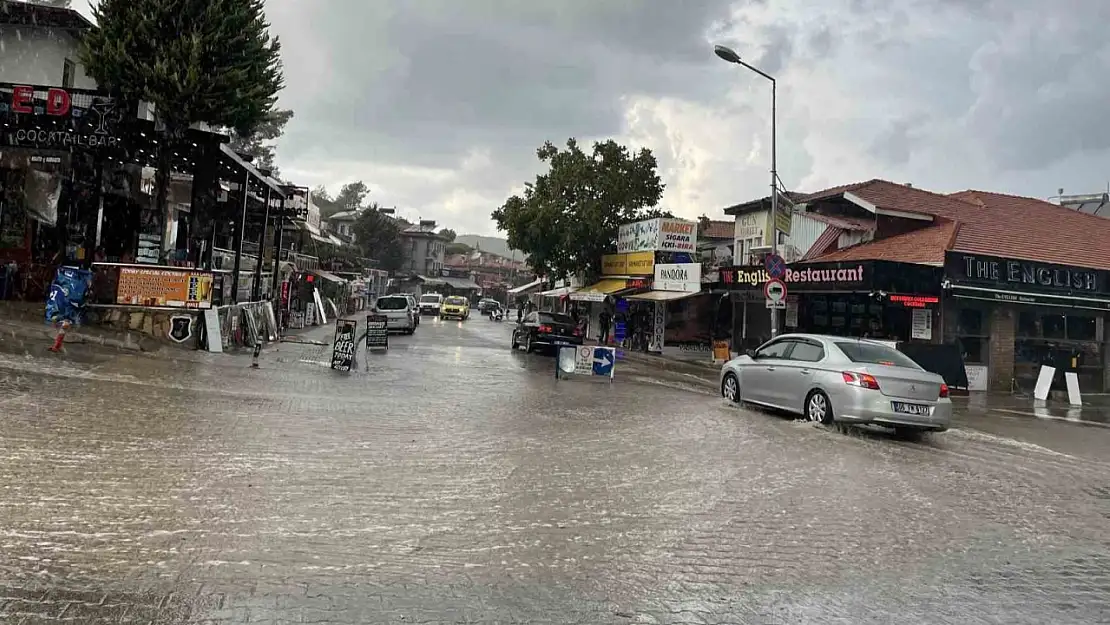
431, 299
547, 317
455, 301
392, 303
875, 354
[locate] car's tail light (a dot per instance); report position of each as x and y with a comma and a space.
862, 380
545, 329
943, 391
578, 332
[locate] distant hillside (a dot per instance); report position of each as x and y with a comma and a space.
493, 245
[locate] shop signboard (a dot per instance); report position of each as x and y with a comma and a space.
811, 275
921, 326
661, 234
614, 264
377, 332
628, 264
54, 118
1026, 276
165, 287
750, 226
343, 348
684, 278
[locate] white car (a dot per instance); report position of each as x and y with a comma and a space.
430, 304
398, 310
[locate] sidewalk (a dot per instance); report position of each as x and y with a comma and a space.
22, 324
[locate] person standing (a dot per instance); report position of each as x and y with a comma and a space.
603, 322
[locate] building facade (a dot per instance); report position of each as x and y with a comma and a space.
1008, 283
423, 249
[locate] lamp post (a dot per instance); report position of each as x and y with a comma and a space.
730, 55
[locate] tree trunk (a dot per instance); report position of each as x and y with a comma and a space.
163, 171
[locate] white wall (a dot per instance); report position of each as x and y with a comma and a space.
37, 56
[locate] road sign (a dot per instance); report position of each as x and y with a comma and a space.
603, 361
586, 360
775, 266
781, 304
775, 290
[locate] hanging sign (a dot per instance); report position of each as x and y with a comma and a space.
343, 349
377, 332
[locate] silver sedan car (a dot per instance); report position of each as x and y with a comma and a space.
836, 379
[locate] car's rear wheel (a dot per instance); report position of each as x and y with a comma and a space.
730, 388
818, 408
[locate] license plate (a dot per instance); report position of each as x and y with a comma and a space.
562, 342
914, 409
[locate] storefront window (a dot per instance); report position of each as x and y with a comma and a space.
1068, 342
971, 334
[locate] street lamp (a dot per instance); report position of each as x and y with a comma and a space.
730, 55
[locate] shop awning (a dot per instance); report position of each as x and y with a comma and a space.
663, 296
430, 281
559, 292
1040, 299
598, 291
327, 275
527, 287
462, 284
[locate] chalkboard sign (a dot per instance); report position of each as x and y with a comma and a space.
343, 350
377, 332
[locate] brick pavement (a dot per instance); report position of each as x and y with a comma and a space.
453, 481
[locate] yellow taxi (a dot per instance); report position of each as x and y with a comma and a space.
455, 306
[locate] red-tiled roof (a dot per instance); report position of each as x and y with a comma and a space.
719, 230
925, 246
1012, 226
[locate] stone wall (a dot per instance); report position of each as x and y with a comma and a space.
177, 328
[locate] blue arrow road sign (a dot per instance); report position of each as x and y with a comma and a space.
603, 361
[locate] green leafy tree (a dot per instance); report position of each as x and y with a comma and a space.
259, 144
379, 236
448, 234
457, 248
568, 217
210, 61
350, 197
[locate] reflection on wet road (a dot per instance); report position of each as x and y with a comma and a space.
453, 480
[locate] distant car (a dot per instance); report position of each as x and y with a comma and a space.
456, 307
544, 330
485, 304
398, 310
831, 379
415, 308
430, 303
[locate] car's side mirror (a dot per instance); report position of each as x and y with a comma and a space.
751, 354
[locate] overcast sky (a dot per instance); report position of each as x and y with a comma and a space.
439, 105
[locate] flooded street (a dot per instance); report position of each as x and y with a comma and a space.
453, 480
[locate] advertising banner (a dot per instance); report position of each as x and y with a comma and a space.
660, 234
343, 349
170, 288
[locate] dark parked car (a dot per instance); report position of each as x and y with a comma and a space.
546, 329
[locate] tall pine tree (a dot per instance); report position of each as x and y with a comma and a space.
209, 61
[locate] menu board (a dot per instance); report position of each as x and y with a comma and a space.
377, 332
343, 349
170, 288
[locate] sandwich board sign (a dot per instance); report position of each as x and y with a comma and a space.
586, 360
377, 332
343, 349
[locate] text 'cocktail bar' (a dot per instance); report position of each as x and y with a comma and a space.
1001, 284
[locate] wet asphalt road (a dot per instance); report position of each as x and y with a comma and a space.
452, 480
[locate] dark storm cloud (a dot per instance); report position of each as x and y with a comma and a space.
430, 79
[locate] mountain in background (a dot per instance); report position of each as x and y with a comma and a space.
493, 245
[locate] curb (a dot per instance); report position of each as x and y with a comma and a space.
72, 338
